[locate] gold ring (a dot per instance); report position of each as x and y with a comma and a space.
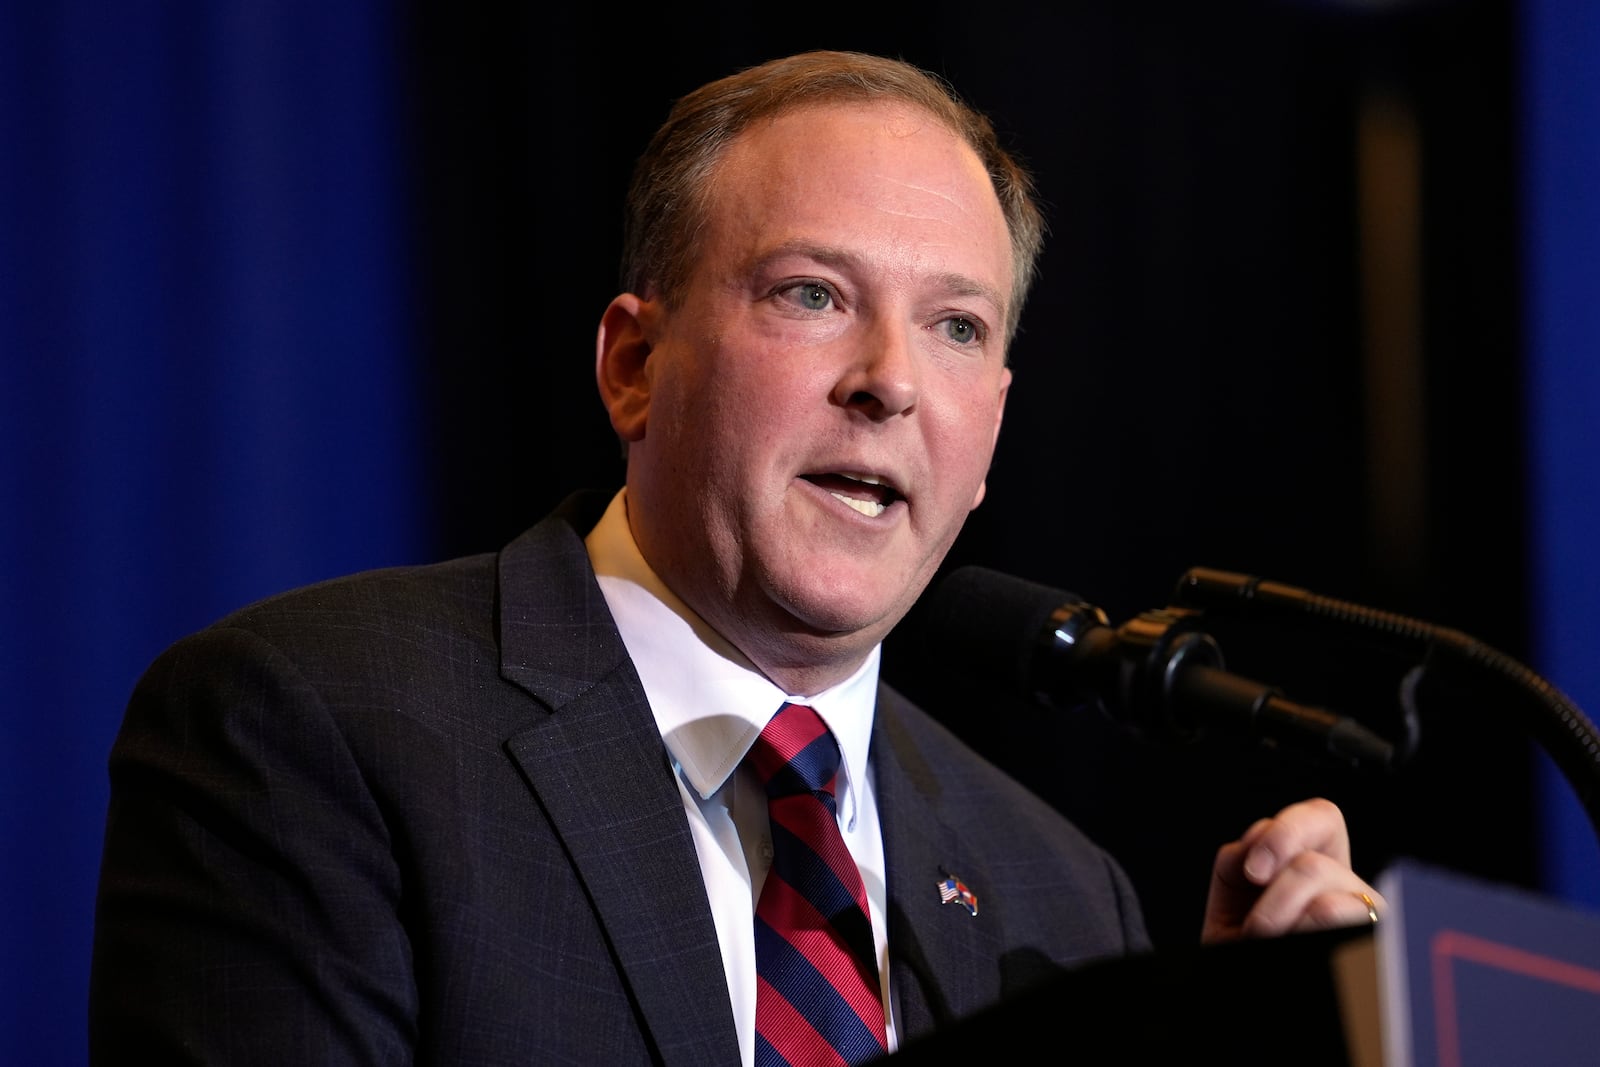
1372, 909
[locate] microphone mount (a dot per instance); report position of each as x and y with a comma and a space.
1559, 726
1160, 675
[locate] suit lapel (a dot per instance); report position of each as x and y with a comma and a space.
624, 829
942, 958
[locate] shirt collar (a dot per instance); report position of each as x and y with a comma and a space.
709, 701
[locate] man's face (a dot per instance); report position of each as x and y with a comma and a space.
810, 427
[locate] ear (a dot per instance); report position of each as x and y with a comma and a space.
621, 363
999, 416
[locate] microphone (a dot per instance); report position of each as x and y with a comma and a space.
1156, 675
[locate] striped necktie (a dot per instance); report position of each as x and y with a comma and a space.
817, 995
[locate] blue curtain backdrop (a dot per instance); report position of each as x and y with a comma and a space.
1561, 211
206, 381
210, 381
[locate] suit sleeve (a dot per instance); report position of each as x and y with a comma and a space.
249, 907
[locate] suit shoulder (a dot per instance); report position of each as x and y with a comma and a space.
929, 751
394, 628
928, 747
387, 593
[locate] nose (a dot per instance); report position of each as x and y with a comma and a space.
880, 378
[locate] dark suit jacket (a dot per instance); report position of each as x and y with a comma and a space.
426, 814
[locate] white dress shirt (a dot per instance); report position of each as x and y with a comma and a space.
710, 703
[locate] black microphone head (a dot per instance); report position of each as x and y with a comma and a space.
992, 624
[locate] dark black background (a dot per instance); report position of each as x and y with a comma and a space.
1189, 377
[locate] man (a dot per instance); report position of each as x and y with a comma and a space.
511, 808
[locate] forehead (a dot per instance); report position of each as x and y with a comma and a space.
888, 173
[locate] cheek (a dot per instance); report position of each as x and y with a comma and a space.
759, 398
962, 452
965, 439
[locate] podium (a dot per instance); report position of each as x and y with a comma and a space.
1474, 974
1460, 973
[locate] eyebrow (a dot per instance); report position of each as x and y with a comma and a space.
951, 281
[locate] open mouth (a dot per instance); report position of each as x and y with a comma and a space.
866, 493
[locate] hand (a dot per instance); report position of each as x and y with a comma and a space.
1288, 874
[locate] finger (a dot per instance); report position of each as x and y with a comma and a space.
1230, 897
1315, 825
1313, 891
1229, 865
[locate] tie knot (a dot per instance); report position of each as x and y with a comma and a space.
796, 754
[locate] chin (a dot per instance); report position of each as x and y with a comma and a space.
839, 604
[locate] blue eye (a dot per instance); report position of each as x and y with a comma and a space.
962, 331
812, 297
806, 296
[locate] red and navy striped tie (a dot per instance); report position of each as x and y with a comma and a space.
817, 996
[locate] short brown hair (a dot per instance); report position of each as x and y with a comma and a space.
667, 200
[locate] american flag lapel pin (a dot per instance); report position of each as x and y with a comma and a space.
954, 890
